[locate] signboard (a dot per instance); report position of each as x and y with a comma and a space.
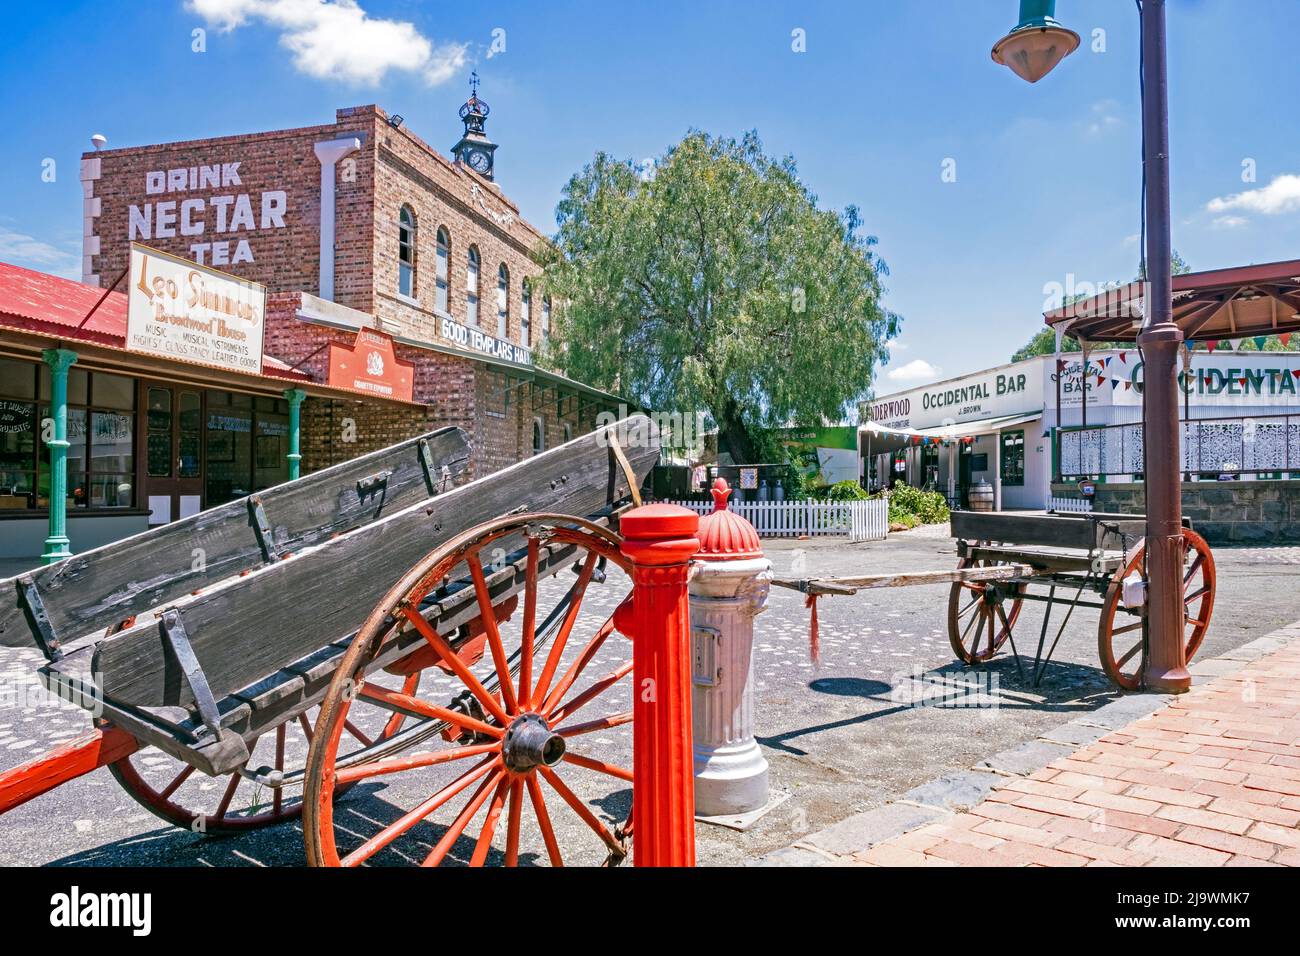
997, 392
181, 311
479, 341
749, 478
372, 367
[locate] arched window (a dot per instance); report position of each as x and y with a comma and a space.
539, 437
503, 301
546, 317
471, 287
406, 252
444, 254
526, 317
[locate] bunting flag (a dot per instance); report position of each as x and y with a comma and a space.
1259, 341
1190, 344
1113, 383
1123, 356
1211, 345
1127, 386
1060, 365
1284, 338
1295, 373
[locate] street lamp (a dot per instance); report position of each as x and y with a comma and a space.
1036, 45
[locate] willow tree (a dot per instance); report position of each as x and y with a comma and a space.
709, 280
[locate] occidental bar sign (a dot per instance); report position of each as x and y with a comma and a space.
182, 311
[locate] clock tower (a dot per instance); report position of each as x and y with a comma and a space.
474, 149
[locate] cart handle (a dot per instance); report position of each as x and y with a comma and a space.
76, 758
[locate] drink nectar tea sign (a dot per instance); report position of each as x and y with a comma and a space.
189, 313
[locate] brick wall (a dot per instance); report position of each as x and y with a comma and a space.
1223, 512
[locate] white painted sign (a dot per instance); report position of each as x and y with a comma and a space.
182, 311
471, 338
1007, 390
218, 224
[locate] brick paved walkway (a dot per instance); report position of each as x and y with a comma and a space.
1211, 780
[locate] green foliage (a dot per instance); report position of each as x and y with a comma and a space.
913, 506
846, 491
717, 284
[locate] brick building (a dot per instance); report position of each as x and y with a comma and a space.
360, 228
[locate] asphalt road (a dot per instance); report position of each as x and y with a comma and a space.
841, 737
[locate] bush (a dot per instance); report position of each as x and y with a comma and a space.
912, 506
846, 491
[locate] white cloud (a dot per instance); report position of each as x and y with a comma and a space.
1103, 116
1280, 196
32, 253
1132, 239
1229, 222
337, 39
896, 345
917, 370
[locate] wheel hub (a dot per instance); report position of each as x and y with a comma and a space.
529, 742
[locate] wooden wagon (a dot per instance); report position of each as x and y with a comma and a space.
315, 607
1091, 560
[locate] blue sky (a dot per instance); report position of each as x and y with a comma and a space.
1047, 176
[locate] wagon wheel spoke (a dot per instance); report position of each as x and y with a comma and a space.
277, 798
1195, 594
484, 843
1002, 615
395, 722
581, 809
529, 631
352, 729
591, 693
379, 768
600, 766
489, 618
177, 780
391, 832
227, 797
974, 601
1119, 664
394, 698
512, 821
1191, 571
1126, 628
577, 667
562, 637
452, 660
601, 723
305, 725
965, 632
467, 813
544, 820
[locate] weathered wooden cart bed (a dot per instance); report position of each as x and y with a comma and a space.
1094, 560
207, 635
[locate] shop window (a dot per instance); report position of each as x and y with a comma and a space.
503, 301
440, 270
539, 437
471, 287
100, 433
406, 252
526, 317
158, 443
1013, 458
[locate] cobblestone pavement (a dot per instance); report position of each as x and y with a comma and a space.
841, 738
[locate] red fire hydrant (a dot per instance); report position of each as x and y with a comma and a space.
660, 541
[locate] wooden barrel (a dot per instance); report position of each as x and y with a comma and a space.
981, 496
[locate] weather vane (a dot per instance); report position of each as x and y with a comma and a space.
473, 83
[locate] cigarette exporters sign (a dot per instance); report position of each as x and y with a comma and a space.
370, 366
189, 313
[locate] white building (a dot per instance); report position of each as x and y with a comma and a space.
1000, 424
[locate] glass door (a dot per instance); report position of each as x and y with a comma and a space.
173, 451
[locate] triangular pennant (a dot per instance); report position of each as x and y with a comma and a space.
1127, 386
1259, 341
1284, 338
1123, 356
1113, 383
1190, 345
1211, 345
1295, 373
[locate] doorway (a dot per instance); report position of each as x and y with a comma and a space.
173, 451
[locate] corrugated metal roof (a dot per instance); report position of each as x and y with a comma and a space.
50, 305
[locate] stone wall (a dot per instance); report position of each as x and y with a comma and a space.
1224, 512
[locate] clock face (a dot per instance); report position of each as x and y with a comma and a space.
479, 161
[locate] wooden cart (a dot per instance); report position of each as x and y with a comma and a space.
315, 607
1091, 560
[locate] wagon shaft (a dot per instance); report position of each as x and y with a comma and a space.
74, 759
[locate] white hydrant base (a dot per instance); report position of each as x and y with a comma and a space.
730, 780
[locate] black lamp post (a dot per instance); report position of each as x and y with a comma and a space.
1036, 45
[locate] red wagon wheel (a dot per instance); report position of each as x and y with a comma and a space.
509, 737
1121, 644
179, 794
981, 614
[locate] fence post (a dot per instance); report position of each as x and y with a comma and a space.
660, 541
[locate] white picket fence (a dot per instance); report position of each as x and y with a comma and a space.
859, 520
1070, 505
